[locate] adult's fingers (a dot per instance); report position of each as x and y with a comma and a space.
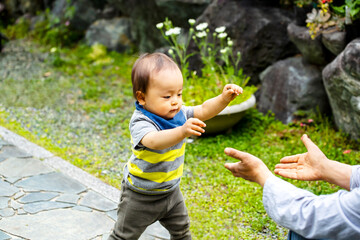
291, 159
288, 173
231, 152
286, 166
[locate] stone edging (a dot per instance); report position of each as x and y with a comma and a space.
60, 164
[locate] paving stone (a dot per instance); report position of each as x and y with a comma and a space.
4, 202
7, 212
6, 190
54, 181
58, 224
82, 208
68, 198
36, 207
21, 211
4, 236
97, 201
112, 214
23, 167
105, 236
15, 205
12, 180
155, 231
10, 151
19, 195
37, 197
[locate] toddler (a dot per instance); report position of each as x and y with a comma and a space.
159, 127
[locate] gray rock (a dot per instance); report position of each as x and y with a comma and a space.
291, 85
311, 49
112, 214
51, 224
37, 197
252, 27
22, 167
335, 42
6, 190
97, 201
54, 181
342, 83
82, 208
114, 34
36, 207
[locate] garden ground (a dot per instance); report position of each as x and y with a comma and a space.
77, 102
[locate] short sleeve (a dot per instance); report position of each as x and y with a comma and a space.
188, 111
139, 126
355, 177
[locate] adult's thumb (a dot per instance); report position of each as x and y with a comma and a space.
308, 143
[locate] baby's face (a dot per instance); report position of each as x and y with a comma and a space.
164, 94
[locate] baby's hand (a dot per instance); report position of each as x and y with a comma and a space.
193, 126
231, 91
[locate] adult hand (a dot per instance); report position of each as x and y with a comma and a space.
306, 166
250, 167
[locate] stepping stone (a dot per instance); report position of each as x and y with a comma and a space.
54, 181
23, 167
58, 224
8, 152
6, 212
4, 202
4, 236
36, 207
7, 190
37, 197
68, 198
98, 202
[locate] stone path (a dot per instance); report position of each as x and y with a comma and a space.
44, 197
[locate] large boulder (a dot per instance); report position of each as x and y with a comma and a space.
146, 14
114, 34
342, 83
289, 86
258, 31
312, 50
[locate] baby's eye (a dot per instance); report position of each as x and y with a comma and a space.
166, 97
179, 94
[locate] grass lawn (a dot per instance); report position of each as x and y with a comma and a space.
78, 106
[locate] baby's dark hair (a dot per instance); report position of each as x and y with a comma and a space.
146, 65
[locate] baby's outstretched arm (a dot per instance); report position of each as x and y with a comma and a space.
210, 108
166, 138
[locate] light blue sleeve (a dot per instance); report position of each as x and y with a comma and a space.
333, 216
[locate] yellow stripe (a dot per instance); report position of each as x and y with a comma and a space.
154, 190
158, 177
153, 157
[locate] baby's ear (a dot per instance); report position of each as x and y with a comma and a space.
140, 96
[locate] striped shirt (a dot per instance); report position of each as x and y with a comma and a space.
150, 171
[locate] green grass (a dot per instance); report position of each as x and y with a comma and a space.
81, 113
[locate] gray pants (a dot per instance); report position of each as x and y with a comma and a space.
137, 211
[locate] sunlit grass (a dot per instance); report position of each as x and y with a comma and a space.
81, 113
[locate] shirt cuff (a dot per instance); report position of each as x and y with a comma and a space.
355, 177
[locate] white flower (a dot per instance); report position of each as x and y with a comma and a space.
173, 31
222, 35
191, 21
54, 49
230, 43
171, 52
220, 29
159, 25
201, 34
223, 51
202, 26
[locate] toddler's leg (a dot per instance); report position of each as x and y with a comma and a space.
177, 221
135, 213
